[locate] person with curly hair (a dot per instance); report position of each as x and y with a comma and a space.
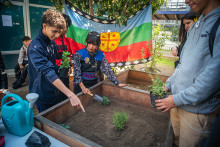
43, 70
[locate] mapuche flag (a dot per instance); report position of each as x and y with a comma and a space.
127, 44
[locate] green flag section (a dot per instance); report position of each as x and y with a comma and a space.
135, 38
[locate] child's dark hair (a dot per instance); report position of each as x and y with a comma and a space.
67, 19
53, 18
25, 38
182, 33
94, 38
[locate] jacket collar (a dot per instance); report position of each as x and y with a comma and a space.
92, 55
44, 37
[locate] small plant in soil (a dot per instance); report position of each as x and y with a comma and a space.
120, 119
65, 126
156, 90
105, 101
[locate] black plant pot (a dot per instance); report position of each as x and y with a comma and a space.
153, 98
63, 72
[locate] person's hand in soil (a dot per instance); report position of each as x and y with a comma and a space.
121, 85
165, 103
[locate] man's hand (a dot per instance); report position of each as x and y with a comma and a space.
121, 85
21, 66
165, 103
74, 100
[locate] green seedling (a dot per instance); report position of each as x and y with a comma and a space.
120, 119
105, 101
157, 87
65, 126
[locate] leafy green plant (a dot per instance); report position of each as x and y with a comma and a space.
65, 60
118, 10
159, 37
175, 31
132, 67
114, 69
105, 101
157, 87
65, 126
123, 68
120, 119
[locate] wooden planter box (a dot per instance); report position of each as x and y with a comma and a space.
137, 77
49, 120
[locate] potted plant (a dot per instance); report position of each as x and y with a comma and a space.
157, 91
65, 64
119, 120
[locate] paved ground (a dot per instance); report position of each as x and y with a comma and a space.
167, 53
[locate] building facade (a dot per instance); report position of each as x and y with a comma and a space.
23, 18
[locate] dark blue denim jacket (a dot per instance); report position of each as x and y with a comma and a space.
43, 69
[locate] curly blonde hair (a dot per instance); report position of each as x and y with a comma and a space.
53, 18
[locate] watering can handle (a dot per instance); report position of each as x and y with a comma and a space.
20, 100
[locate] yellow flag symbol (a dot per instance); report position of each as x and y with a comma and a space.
109, 41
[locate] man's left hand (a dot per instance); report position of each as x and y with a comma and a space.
165, 103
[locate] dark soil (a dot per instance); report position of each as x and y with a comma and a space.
142, 87
145, 126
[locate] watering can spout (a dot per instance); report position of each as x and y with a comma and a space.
32, 98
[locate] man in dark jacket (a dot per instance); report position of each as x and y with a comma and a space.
43, 70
